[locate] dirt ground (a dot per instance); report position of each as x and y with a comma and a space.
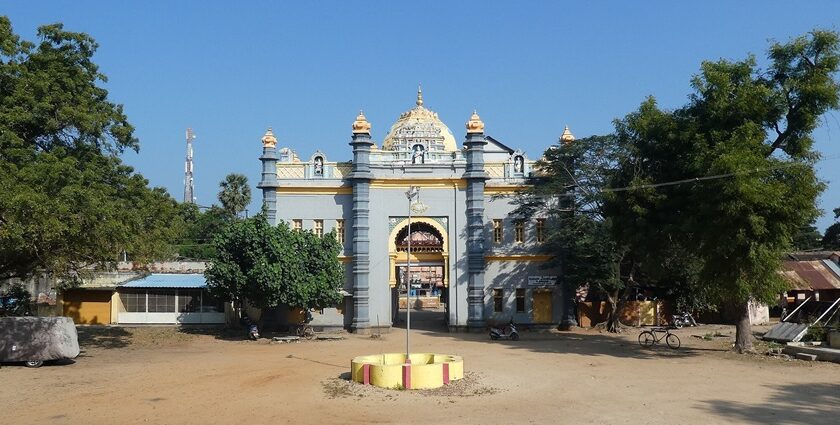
171, 376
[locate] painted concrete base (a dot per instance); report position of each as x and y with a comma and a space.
823, 354
422, 371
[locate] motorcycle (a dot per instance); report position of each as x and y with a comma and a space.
507, 332
253, 331
684, 319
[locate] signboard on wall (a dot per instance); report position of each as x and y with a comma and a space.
542, 280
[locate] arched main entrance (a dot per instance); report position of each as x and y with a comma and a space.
427, 280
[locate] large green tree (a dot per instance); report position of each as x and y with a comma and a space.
200, 227
267, 265
731, 174
831, 238
234, 194
586, 236
68, 203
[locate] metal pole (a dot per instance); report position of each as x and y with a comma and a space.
410, 195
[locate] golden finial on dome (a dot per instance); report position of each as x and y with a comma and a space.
475, 125
361, 125
419, 95
268, 140
567, 136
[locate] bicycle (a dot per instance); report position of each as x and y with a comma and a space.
648, 338
305, 331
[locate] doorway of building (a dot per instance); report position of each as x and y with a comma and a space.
542, 311
424, 287
424, 292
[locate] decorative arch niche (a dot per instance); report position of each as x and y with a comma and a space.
432, 245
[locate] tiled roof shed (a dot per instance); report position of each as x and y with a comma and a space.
812, 275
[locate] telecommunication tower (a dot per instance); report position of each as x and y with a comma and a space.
189, 191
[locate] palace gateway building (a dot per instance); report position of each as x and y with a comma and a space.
470, 261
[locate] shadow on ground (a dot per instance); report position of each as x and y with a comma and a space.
582, 343
105, 337
223, 333
790, 403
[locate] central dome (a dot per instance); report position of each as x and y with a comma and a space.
420, 126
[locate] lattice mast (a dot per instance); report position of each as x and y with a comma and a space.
189, 189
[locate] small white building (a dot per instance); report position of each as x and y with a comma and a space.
168, 298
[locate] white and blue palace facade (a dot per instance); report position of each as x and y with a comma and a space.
470, 259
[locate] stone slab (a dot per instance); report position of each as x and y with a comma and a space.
806, 356
823, 354
286, 339
328, 337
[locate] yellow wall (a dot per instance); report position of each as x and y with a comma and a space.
88, 306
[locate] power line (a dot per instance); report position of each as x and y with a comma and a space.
707, 178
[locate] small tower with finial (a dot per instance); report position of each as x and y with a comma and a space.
419, 95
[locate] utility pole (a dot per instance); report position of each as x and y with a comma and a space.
189, 190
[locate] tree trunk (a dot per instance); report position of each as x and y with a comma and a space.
743, 329
614, 303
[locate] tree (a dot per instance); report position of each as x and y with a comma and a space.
731, 173
587, 237
267, 265
807, 238
68, 203
235, 194
578, 234
831, 239
200, 227
15, 301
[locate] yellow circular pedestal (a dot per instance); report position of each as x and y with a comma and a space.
390, 370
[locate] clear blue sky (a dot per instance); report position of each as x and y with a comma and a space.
229, 70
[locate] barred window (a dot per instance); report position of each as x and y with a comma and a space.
497, 231
161, 302
520, 300
339, 231
189, 300
498, 300
319, 228
297, 224
134, 302
540, 230
519, 232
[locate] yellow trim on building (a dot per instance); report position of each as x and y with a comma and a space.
315, 190
523, 257
397, 184
423, 183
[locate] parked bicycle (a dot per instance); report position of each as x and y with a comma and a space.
305, 330
651, 337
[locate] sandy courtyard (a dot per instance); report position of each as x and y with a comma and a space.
165, 376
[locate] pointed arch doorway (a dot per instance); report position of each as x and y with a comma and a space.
427, 281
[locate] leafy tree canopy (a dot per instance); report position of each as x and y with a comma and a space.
269, 265
746, 136
68, 202
200, 227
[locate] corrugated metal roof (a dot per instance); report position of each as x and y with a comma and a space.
168, 280
814, 275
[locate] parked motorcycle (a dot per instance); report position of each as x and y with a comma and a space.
684, 319
253, 331
507, 332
